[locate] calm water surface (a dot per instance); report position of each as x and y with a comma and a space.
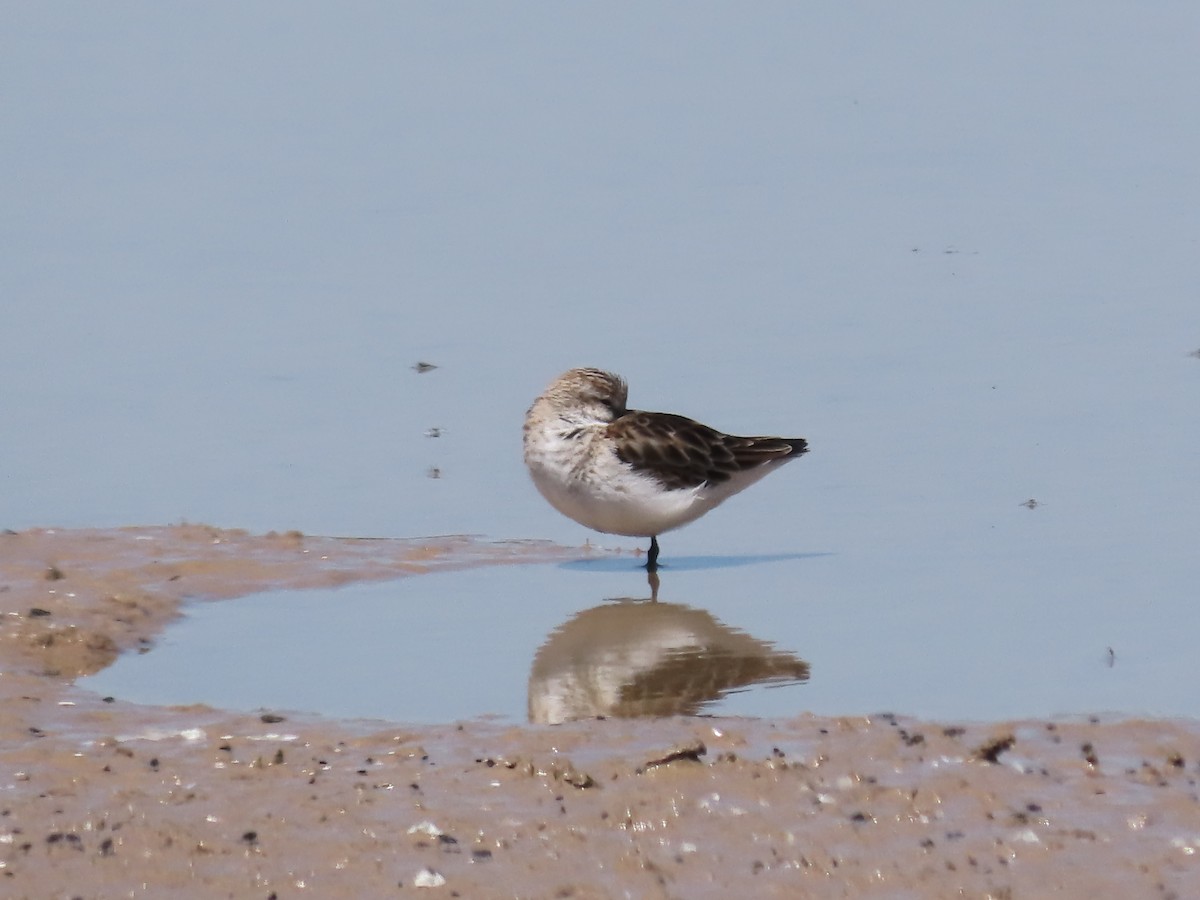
737, 636
956, 248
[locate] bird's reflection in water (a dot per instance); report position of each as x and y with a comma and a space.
630, 658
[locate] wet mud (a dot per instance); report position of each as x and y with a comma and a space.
101, 798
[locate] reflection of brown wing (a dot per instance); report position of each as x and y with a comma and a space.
634, 658
682, 453
682, 685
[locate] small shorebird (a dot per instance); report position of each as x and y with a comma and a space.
639, 474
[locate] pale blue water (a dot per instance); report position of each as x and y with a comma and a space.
957, 248
457, 645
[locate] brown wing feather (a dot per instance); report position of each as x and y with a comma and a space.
682, 453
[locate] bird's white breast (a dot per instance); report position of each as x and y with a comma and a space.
580, 475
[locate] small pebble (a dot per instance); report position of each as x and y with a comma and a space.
429, 878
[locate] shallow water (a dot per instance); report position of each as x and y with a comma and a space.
732, 636
955, 248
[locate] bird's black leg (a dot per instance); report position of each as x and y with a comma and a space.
652, 556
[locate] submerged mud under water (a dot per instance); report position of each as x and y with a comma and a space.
109, 798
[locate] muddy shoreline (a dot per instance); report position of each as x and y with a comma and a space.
110, 799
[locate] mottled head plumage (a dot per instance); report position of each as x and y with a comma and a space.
586, 396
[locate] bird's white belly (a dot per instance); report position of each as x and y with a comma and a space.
621, 503
632, 506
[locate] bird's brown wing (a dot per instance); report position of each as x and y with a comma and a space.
682, 453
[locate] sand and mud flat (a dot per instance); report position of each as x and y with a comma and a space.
101, 798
